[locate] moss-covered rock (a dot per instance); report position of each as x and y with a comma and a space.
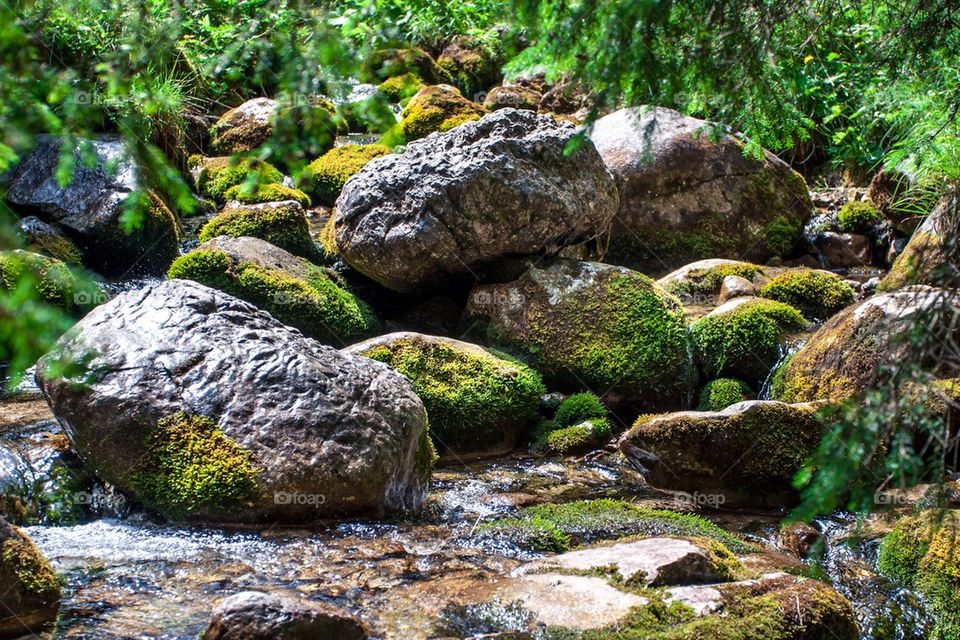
513, 96
477, 401
213, 177
580, 423
50, 279
272, 192
283, 224
700, 282
841, 358
922, 552
437, 108
749, 452
471, 66
588, 324
29, 589
324, 177
743, 338
587, 521
191, 466
254, 122
858, 217
291, 289
719, 394
931, 255
44, 238
403, 87
383, 64
817, 294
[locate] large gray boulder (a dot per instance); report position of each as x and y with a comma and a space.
203, 407
90, 207
456, 203
687, 193
254, 615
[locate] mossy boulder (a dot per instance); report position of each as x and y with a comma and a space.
688, 191
560, 527
700, 282
478, 401
324, 177
719, 394
922, 552
743, 338
294, 291
516, 96
243, 128
470, 65
588, 324
214, 176
283, 224
842, 357
29, 590
272, 192
930, 256
44, 238
401, 88
437, 108
383, 64
92, 208
203, 407
858, 217
52, 281
579, 424
817, 294
748, 453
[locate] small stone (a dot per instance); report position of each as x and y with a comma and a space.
736, 287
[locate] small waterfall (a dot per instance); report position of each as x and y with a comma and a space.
785, 353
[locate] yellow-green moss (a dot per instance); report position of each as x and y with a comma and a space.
36, 581
273, 192
283, 226
191, 466
318, 304
438, 108
856, 217
922, 256
50, 279
709, 281
383, 64
214, 176
586, 521
817, 294
55, 246
745, 341
402, 87
719, 394
475, 400
324, 177
469, 65
579, 423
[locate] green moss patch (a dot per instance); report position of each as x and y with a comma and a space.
280, 225
49, 279
402, 87
272, 192
324, 177
35, 580
719, 394
214, 176
475, 400
579, 424
438, 108
858, 217
317, 303
587, 521
191, 466
817, 294
744, 342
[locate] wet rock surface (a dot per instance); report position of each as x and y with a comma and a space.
254, 615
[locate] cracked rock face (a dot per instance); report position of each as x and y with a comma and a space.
687, 193
454, 204
316, 421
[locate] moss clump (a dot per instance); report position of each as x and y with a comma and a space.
273, 192
426, 456
316, 303
42, 238
324, 177
579, 424
281, 225
402, 87
192, 467
383, 64
577, 408
214, 176
708, 281
782, 234
49, 279
327, 238
588, 521
22, 561
719, 394
817, 294
535, 534
438, 108
744, 341
922, 552
476, 400
470, 66
856, 217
